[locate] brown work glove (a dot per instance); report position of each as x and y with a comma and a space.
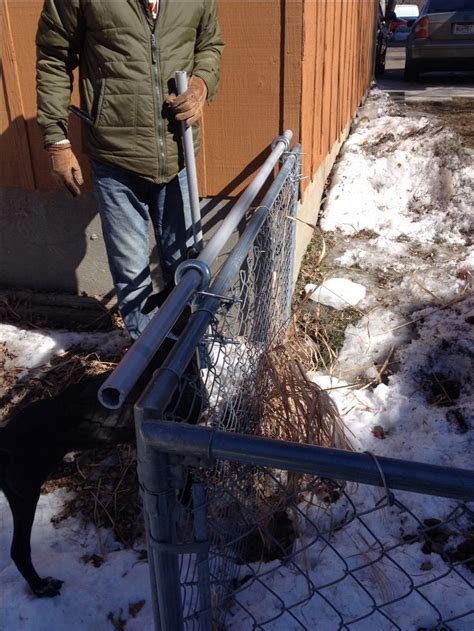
65, 167
188, 106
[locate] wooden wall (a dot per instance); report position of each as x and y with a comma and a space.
336, 71
299, 64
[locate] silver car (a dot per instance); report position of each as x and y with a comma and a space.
442, 38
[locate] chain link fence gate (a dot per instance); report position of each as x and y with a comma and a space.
249, 532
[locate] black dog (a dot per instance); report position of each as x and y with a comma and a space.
39, 436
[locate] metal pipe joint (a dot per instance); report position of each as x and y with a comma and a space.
198, 265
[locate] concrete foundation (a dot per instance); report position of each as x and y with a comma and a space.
50, 241
308, 210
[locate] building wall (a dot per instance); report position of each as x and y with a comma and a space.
298, 64
336, 68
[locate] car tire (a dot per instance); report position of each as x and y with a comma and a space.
412, 72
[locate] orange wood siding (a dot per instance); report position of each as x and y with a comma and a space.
299, 64
336, 70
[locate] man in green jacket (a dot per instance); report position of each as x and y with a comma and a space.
128, 52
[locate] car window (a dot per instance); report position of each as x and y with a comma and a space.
407, 11
447, 6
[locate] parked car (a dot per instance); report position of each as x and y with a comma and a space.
441, 39
382, 43
402, 32
402, 18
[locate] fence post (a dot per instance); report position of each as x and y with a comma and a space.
159, 497
202, 558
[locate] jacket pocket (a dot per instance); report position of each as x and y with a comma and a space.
98, 102
117, 104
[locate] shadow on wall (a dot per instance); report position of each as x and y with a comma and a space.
49, 240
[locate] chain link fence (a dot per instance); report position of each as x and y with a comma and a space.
326, 556
245, 540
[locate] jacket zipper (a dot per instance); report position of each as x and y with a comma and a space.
161, 144
154, 63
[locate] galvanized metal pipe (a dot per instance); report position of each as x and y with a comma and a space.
190, 161
115, 389
202, 558
202, 442
161, 387
220, 238
158, 508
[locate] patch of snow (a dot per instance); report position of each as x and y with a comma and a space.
338, 293
32, 349
89, 594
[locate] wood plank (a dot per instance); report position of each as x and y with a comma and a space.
15, 150
291, 61
308, 97
342, 120
319, 73
245, 116
350, 85
335, 86
328, 77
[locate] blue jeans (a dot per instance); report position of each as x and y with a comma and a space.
127, 202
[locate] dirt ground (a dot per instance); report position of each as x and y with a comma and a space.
457, 113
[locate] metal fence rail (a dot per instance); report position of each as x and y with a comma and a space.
319, 554
249, 532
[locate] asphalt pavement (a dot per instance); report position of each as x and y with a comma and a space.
433, 86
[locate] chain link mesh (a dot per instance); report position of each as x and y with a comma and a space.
292, 551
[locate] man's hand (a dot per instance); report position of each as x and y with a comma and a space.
65, 167
188, 106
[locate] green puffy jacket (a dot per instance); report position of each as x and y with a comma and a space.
126, 70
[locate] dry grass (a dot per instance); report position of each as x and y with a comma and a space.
319, 330
295, 408
48, 380
104, 491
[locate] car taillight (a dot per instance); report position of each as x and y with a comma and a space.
421, 29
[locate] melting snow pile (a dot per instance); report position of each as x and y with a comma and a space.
400, 211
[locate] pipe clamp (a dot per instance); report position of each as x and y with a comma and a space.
199, 266
283, 139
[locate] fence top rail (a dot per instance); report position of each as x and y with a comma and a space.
391, 473
115, 389
160, 389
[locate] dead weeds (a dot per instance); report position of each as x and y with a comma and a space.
456, 113
321, 329
104, 491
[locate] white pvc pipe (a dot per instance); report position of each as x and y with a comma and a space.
190, 162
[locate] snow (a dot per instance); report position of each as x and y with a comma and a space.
32, 349
400, 212
330, 293
89, 594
